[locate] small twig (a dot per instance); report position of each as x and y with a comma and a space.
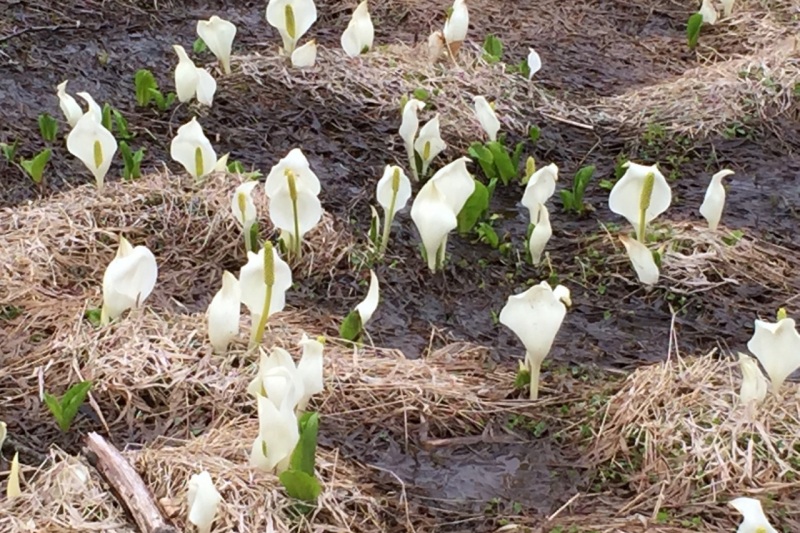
31, 29
126, 483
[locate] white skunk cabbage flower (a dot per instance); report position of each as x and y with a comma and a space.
456, 26
777, 347
367, 307
92, 106
93, 144
753, 518
357, 38
487, 117
540, 188
310, 369
223, 313
436, 207
542, 231
640, 196
535, 316
128, 280
244, 210
253, 280
292, 19
727, 7
305, 56
714, 200
294, 207
408, 131
278, 435
393, 192
754, 384
436, 46
203, 501
192, 81
69, 106
192, 149
642, 260
13, 489
709, 12
534, 63
218, 34
429, 144
277, 378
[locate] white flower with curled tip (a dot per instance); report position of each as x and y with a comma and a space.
278, 434
542, 231
642, 260
709, 12
753, 518
244, 209
128, 280
640, 195
393, 192
436, 46
305, 56
777, 347
408, 131
436, 207
714, 200
540, 187
69, 106
456, 26
534, 63
13, 489
429, 144
92, 105
203, 501
368, 306
727, 7
292, 19
754, 384
93, 144
535, 316
192, 149
487, 117
253, 284
223, 313
277, 378
192, 81
358, 37
295, 163
310, 370
218, 34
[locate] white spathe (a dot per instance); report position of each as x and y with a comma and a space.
192, 81
296, 163
542, 231
709, 12
727, 7
368, 306
625, 198
282, 211
310, 369
384, 190
754, 384
69, 106
93, 144
203, 501
254, 288
305, 56
534, 63
278, 435
292, 19
456, 26
714, 200
192, 149
429, 143
13, 489
92, 105
777, 347
243, 197
218, 34
541, 186
408, 131
487, 117
535, 316
278, 378
223, 313
753, 518
360, 33
128, 280
436, 46
642, 260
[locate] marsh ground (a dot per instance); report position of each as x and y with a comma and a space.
618, 82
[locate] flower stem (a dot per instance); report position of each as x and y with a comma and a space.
387, 227
535, 369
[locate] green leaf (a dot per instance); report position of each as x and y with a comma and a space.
421, 94
522, 380
351, 327
9, 150
199, 46
93, 316
145, 84
55, 408
254, 237
375, 229
534, 133
474, 209
517, 155
582, 178
523, 68
300, 485
35, 167
304, 455
48, 127
235, 167
567, 200
106, 121
693, 26
487, 234
502, 162
493, 49
64, 410
121, 125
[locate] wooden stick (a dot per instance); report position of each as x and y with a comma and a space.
127, 485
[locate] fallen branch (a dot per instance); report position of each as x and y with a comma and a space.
127, 485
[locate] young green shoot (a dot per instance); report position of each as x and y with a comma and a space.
48, 127
35, 167
572, 200
65, 408
299, 480
492, 49
9, 151
132, 161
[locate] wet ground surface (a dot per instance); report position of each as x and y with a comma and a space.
613, 322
